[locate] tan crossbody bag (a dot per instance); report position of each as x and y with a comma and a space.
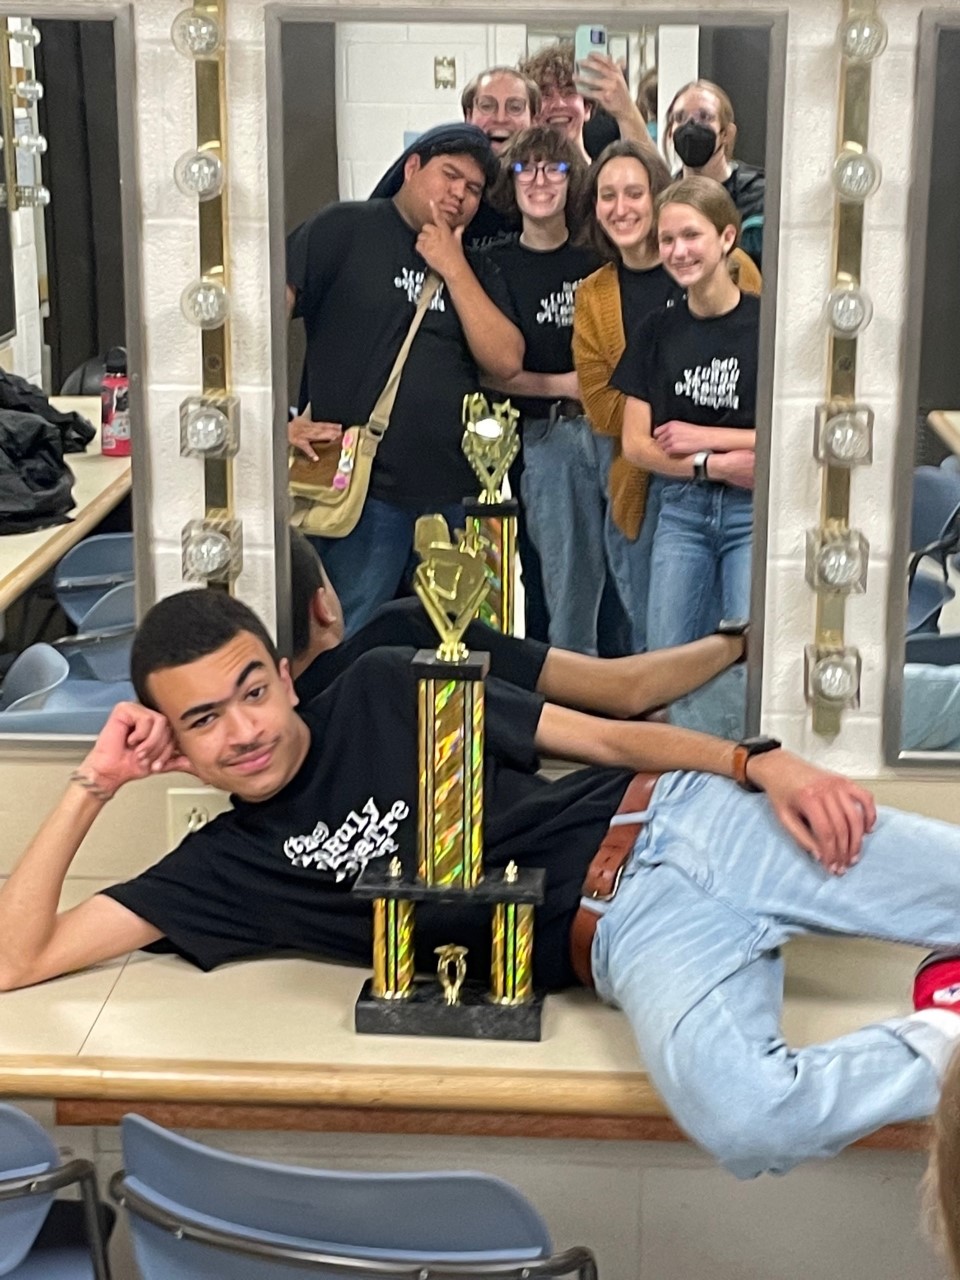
328, 495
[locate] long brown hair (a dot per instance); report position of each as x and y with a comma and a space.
942, 1182
725, 116
545, 145
658, 177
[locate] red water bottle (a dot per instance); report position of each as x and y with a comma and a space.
115, 412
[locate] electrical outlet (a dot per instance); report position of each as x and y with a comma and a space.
190, 808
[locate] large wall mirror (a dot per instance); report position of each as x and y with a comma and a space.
922, 710
349, 100
70, 359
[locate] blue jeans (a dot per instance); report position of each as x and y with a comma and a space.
369, 565
629, 563
689, 949
700, 565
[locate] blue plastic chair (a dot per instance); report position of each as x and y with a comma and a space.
934, 542
32, 678
91, 569
933, 650
209, 1215
936, 495
42, 1238
951, 464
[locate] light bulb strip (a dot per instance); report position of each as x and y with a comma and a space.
211, 107
853, 127
7, 130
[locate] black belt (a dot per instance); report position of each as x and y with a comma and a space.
565, 409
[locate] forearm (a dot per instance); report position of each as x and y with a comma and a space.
544, 386
634, 128
644, 452
725, 439
495, 343
631, 686
30, 898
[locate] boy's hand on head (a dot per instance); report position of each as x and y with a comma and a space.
134, 743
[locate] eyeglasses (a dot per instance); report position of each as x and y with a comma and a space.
491, 107
702, 116
552, 170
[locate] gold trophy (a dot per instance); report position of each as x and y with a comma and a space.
490, 443
451, 581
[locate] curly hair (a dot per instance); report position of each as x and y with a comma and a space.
553, 64
548, 146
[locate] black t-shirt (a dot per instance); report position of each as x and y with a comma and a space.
543, 286
276, 876
358, 275
402, 623
642, 292
696, 369
490, 227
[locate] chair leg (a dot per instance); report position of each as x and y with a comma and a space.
91, 1217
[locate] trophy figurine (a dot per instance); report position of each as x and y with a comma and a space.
490, 443
452, 582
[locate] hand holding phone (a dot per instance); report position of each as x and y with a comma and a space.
587, 39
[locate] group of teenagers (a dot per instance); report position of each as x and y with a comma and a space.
626, 336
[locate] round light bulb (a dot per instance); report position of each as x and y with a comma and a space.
29, 90
199, 174
205, 303
206, 429
26, 37
488, 429
32, 143
856, 175
834, 680
839, 567
196, 35
208, 554
849, 310
845, 438
863, 37
33, 197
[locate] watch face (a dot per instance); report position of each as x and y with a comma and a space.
763, 742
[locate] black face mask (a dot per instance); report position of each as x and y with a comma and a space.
694, 143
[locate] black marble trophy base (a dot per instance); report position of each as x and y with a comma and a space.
425, 1012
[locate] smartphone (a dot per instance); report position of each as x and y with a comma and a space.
587, 39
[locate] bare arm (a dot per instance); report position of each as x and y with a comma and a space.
495, 343
642, 450
35, 941
625, 687
604, 80
680, 439
545, 386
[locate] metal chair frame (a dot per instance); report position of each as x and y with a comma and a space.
577, 1261
76, 1172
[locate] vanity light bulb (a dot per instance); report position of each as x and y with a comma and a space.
34, 144
833, 676
837, 560
856, 174
849, 310
199, 174
205, 303
196, 35
33, 197
207, 430
846, 439
863, 37
27, 37
208, 554
29, 90
211, 551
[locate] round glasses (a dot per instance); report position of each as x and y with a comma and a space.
553, 171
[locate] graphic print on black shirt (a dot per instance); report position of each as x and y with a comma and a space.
489, 227
357, 275
276, 876
543, 286
695, 369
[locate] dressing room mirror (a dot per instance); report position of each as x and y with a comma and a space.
347, 99
70, 405
922, 713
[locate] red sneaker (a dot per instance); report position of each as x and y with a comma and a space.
937, 982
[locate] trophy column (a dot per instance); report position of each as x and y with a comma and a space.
493, 527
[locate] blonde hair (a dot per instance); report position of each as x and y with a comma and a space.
942, 1181
725, 116
706, 196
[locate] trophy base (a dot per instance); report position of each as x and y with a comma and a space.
495, 510
425, 1012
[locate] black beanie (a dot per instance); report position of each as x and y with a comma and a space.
442, 139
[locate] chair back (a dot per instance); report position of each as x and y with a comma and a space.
936, 496
90, 569
114, 610
25, 1149
32, 677
413, 1218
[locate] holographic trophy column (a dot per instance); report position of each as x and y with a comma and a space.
490, 444
451, 582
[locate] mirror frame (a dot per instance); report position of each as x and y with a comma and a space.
932, 22
121, 16
773, 21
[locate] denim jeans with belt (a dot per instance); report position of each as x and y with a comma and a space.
700, 563
565, 492
689, 949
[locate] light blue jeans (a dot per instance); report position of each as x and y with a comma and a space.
931, 707
689, 949
700, 564
565, 492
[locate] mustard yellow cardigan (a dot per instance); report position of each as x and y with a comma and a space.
598, 344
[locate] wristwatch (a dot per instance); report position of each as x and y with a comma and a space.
735, 627
744, 752
700, 466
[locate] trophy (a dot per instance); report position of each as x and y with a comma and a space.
490, 443
452, 582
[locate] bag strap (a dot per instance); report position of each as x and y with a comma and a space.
380, 417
